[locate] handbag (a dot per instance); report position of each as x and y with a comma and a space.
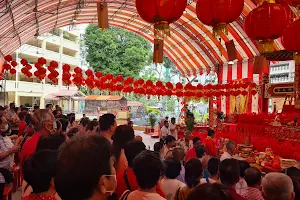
7, 174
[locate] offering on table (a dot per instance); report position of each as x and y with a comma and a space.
251, 160
245, 151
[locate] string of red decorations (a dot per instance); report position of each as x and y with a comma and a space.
128, 85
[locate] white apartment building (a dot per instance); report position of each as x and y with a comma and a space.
61, 46
282, 72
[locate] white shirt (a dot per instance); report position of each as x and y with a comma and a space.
174, 132
9, 144
170, 187
225, 155
164, 131
139, 195
240, 186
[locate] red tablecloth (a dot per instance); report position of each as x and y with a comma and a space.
284, 141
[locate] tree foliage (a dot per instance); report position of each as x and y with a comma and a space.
116, 51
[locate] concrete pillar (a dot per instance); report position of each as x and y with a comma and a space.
265, 101
44, 44
42, 102
17, 82
60, 63
70, 104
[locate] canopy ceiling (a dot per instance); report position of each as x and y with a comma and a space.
191, 46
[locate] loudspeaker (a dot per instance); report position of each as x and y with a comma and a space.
231, 50
102, 12
158, 53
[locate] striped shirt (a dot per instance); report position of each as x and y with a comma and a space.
251, 193
5, 163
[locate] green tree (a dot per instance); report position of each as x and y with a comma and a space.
116, 51
148, 74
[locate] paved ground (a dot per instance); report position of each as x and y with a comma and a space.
148, 141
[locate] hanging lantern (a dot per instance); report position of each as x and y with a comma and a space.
219, 13
158, 51
24, 62
267, 23
161, 13
102, 12
89, 73
291, 39
42, 61
291, 42
8, 58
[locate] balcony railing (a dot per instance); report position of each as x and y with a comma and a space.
32, 87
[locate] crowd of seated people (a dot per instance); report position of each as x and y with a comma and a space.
97, 159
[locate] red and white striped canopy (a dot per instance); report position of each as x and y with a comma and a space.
191, 47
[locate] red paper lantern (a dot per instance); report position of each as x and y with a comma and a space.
161, 13
14, 63
89, 72
66, 76
38, 65
77, 70
28, 74
266, 23
98, 75
54, 64
244, 93
24, 62
54, 80
37, 73
8, 58
50, 76
219, 13
119, 78
169, 85
109, 76
149, 83
6, 66
179, 86
159, 84
66, 67
13, 71
29, 67
291, 39
42, 61
253, 92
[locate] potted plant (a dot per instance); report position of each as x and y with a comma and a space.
152, 120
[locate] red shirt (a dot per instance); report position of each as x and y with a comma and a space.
235, 195
29, 148
122, 187
22, 126
211, 148
191, 154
